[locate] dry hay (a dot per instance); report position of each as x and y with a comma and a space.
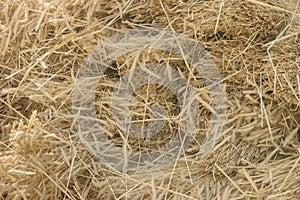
256, 47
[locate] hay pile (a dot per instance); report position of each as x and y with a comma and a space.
256, 47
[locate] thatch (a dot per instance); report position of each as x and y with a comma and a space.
256, 47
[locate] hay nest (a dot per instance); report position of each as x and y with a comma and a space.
256, 47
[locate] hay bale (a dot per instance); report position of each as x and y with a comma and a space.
255, 45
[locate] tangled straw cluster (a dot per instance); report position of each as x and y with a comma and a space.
94, 134
255, 45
